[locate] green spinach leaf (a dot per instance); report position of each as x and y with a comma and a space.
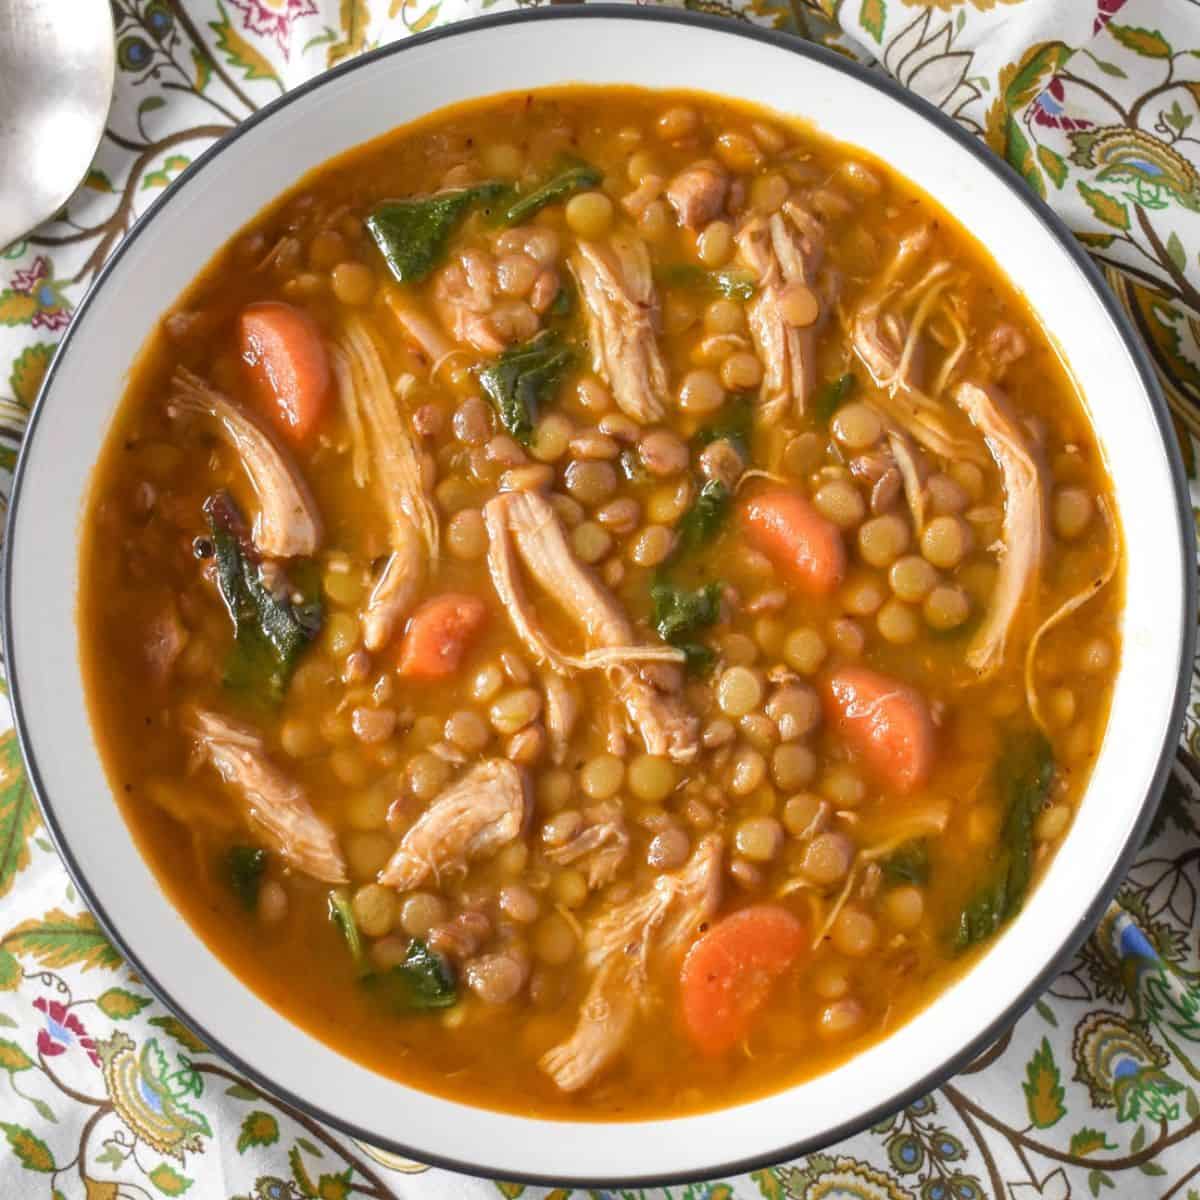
832, 396
524, 378
342, 915
412, 235
270, 629
678, 612
908, 863
733, 284
423, 981
735, 425
243, 869
1023, 777
573, 177
702, 522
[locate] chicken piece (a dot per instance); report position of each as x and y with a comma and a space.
1024, 529
397, 466
562, 713
697, 194
783, 250
421, 331
525, 524
288, 524
622, 314
166, 636
603, 841
473, 818
464, 293
618, 946
1003, 347
275, 805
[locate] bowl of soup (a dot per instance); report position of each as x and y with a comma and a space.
606, 631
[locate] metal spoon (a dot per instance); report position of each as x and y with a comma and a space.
57, 63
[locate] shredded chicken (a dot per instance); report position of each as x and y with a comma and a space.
562, 712
1024, 530
275, 805
473, 818
288, 524
397, 467
619, 946
464, 294
783, 250
525, 524
697, 194
166, 636
622, 312
603, 842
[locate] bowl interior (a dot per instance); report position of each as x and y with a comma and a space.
265, 157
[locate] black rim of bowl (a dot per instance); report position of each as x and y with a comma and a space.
894, 91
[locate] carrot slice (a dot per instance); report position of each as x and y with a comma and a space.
884, 721
288, 365
439, 634
797, 539
729, 971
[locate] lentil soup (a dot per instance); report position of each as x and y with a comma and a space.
600, 602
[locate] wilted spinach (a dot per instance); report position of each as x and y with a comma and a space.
524, 378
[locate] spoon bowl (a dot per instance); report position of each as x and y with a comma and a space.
56, 85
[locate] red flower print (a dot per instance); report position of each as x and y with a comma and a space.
1105, 11
63, 1030
1049, 108
273, 18
52, 311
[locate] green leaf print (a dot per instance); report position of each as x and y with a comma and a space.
353, 17
1104, 207
1054, 165
203, 66
1098, 1180
13, 1058
16, 308
258, 1129
32, 1153
1020, 155
169, 1181
1043, 1088
769, 1184
10, 972
300, 1173
873, 16
334, 1187
62, 939
239, 1091
1088, 1141
175, 1028
18, 812
252, 62
1147, 42
510, 1190
28, 371
1176, 251
98, 181
120, 1005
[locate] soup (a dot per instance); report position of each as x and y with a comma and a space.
600, 602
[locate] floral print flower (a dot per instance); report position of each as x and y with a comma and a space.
63, 1030
1122, 1068
1049, 109
35, 298
274, 18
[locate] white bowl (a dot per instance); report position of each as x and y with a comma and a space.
367, 97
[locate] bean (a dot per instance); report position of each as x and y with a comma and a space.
854, 933
652, 546
738, 650
652, 778
842, 786
488, 680
373, 725
842, 503
946, 541
562, 827
969, 477
341, 634
352, 283
679, 313
326, 250
644, 163
768, 192
739, 691
553, 940
745, 874
793, 766
602, 776
466, 535
741, 371
862, 595
946, 496
515, 274
589, 214
550, 439
748, 772
904, 907
677, 122
497, 978
847, 636
912, 578
897, 623
1052, 823
1073, 511
619, 426
504, 451
519, 904
592, 396
1061, 707
799, 305
882, 540
803, 454
830, 981
857, 426
715, 243
668, 849
374, 908
555, 789
800, 812
840, 1018
724, 316
591, 541
738, 152
389, 952
427, 775
512, 860
593, 444
827, 858
272, 902
589, 481
717, 733
759, 838
512, 711
366, 853
666, 504
472, 422
570, 888
300, 739
420, 912
700, 393
804, 650
663, 453
946, 607
620, 515
527, 746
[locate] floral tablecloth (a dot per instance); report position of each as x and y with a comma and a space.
104, 1094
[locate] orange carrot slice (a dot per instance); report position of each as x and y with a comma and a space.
288, 365
797, 539
439, 634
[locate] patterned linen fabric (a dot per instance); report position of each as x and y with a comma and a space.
103, 1094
